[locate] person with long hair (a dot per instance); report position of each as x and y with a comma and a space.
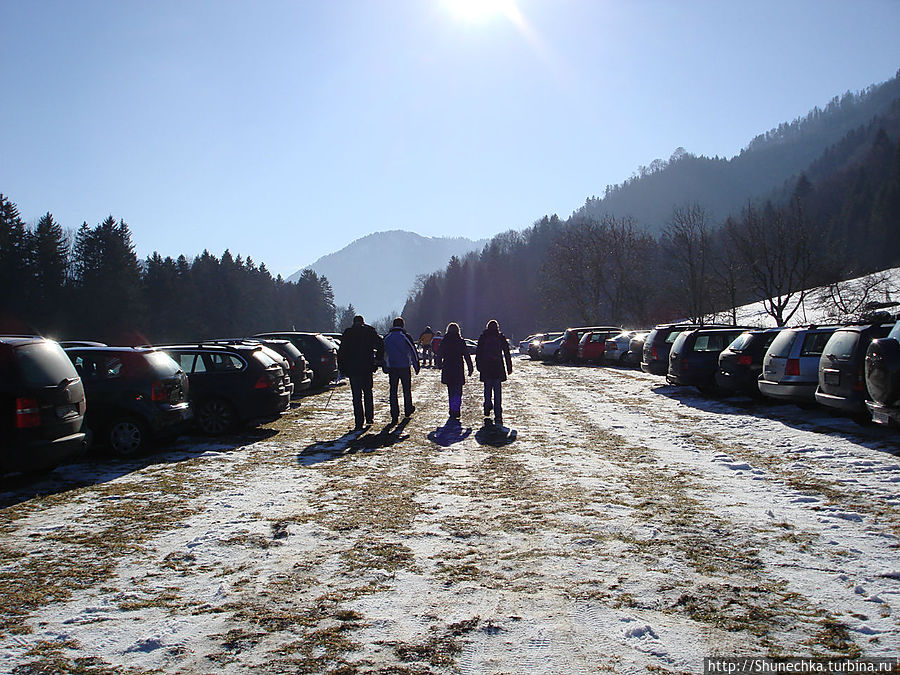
453, 356
492, 351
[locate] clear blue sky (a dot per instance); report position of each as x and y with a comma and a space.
283, 130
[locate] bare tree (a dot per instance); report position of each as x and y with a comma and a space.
687, 242
775, 248
858, 299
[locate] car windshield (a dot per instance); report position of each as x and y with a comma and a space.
44, 364
781, 345
842, 344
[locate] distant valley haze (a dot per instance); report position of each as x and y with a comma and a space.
376, 272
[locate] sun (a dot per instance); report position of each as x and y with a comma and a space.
478, 11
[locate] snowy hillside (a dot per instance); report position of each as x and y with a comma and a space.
843, 301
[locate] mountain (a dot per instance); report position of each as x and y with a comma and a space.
375, 273
760, 171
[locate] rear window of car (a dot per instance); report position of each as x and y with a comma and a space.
162, 364
712, 342
43, 364
266, 359
842, 344
671, 337
225, 362
781, 345
741, 342
814, 343
678, 343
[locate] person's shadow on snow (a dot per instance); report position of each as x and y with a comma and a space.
452, 432
353, 441
495, 436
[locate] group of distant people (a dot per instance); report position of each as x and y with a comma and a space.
363, 351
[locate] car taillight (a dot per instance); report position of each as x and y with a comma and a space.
860, 384
745, 360
654, 354
158, 393
263, 382
326, 359
27, 413
611, 345
792, 368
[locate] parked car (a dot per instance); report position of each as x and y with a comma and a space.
740, 363
616, 350
524, 344
275, 349
320, 353
136, 395
655, 357
842, 369
883, 378
568, 350
791, 364
231, 385
534, 349
42, 405
550, 350
636, 348
694, 356
592, 346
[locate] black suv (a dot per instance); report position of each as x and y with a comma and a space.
883, 378
842, 369
657, 345
295, 364
740, 363
42, 405
232, 384
135, 395
320, 353
694, 356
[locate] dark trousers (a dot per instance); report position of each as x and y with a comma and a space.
402, 376
363, 403
493, 399
454, 394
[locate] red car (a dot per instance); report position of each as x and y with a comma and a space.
568, 351
592, 346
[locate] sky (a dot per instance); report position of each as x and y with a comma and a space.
284, 130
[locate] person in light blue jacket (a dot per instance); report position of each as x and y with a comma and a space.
400, 355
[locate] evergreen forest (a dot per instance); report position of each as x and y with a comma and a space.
90, 285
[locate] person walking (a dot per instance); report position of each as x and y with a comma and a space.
359, 354
453, 354
490, 354
436, 348
425, 342
400, 354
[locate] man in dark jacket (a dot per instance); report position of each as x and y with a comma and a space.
492, 351
359, 355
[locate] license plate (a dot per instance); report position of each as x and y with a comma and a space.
880, 417
832, 377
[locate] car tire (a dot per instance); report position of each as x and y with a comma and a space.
215, 417
126, 436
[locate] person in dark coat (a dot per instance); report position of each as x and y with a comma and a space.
359, 356
492, 351
453, 355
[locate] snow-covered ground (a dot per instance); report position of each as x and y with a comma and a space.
629, 527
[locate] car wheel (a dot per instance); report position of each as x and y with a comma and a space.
215, 417
126, 436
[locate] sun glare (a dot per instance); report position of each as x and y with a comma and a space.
482, 10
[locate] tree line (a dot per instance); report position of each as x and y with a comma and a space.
590, 270
89, 284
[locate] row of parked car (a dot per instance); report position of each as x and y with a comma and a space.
57, 398
853, 369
